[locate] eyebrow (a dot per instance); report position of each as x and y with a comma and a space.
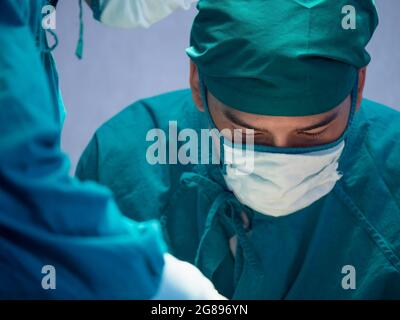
330, 118
234, 119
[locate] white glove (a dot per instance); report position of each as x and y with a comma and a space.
136, 13
183, 281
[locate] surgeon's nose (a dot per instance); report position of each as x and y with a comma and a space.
281, 141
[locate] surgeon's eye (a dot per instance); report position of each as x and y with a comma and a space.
249, 135
245, 133
256, 138
313, 135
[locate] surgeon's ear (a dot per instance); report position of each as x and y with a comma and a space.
195, 86
362, 74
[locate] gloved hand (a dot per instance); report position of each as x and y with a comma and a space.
183, 281
135, 13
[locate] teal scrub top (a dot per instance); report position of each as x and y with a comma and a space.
344, 246
48, 218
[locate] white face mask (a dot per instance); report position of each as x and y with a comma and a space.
134, 13
278, 184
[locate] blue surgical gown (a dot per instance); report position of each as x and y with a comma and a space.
344, 246
47, 217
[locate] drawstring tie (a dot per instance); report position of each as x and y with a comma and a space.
224, 216
48, 49
79, 46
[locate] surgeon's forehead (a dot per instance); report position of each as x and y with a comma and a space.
305, 122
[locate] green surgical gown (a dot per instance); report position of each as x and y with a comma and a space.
344, 246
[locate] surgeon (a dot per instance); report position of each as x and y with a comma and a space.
59, 238
318, 215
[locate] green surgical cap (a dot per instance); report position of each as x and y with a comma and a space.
282, 57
